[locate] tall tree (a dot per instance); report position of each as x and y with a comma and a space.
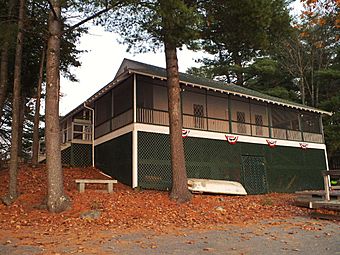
13, 170
236, 32
149, 25
6, 39
175, 15
35, 145
57, 200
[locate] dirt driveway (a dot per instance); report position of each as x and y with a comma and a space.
290, 236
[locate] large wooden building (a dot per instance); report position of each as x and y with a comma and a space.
230, 133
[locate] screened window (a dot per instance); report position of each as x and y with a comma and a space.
240, 105
217, 107
310, 123
285, 118
103, 108
122, 97
259, 124
241, 119
189, 99
144, 95
198, 115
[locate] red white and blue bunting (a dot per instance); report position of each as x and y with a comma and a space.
232, 139
271, 143
185, 133
304, 146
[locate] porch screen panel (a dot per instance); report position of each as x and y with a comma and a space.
160, 98
160, 105
144, 95
122, 97
310, 123
217, 109
103, 107
285, 122
259, 120
240, 113
311, 128
194, 108
144, 101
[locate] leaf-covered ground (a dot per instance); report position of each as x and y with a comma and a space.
129, 209
28, 228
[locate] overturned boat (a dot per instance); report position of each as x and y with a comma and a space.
216, 186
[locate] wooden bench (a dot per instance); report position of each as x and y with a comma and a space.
81, 184
326, 179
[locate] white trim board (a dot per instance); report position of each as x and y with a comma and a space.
114, 134
222, 136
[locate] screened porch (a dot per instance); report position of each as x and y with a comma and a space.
208, 110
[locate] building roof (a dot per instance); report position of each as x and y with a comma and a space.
196, 81
130, 66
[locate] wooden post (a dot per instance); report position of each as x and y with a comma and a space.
326, 184
110, 187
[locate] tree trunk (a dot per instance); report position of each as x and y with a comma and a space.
57, 201
35, 146
13, 168
21, 126
302, 89
179, 191
4, 60
3, 75
239, 73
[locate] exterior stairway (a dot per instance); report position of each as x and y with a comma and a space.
42, 156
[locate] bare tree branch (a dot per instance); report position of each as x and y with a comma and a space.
52, 9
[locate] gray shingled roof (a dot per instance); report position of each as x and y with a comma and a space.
216, 85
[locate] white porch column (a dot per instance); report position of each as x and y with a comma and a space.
134, 138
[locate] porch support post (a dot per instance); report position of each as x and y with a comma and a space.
270, 124
92, 132
321, 128
327, 179
134, 157
300, 126
134, 99
230, 115
134, 138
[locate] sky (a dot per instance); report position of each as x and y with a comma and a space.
103, 58
101, 62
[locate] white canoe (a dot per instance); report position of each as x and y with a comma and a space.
216, 186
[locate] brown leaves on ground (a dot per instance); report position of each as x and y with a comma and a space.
127, 209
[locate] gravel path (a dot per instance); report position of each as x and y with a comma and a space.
293, 236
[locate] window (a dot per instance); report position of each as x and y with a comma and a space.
198, 116
103, 108
285, 118
259, 124
310, 123
241, 120
122, 97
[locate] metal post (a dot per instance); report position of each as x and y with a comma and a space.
92, 133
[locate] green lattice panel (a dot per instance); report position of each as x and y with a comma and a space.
254, 174
81, 155
287, 169
66, 156
115, 159
154, 169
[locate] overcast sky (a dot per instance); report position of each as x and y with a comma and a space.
101, 62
